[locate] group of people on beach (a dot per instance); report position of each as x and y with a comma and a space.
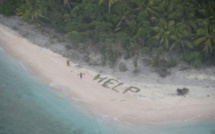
80, 74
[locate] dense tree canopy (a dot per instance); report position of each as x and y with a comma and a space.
175, 25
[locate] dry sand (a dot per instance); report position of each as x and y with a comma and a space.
154, 103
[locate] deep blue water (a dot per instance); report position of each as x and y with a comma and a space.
28, 106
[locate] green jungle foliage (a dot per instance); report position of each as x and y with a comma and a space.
8, 7
186, 27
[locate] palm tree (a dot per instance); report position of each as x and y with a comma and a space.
206, 27
206, 36
181, 40
164, 32
66, 2
32, 9
149, 7
110, 3
183, 34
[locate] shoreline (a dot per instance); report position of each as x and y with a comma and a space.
153, 104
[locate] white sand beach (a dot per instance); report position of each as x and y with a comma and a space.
124, 101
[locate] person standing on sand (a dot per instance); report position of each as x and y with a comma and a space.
81, 75
67, 62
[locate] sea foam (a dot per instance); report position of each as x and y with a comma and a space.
23, 66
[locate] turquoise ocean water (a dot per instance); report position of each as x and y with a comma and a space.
28, 106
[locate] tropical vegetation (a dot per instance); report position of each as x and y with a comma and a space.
135, 26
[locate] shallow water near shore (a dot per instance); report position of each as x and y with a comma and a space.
29, 106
